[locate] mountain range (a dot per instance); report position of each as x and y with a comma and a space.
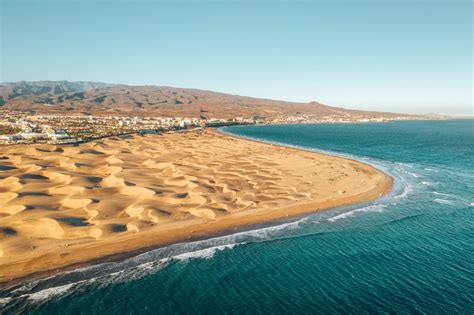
96, 98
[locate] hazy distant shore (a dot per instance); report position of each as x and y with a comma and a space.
72, 205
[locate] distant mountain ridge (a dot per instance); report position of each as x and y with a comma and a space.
81, 97
24, 88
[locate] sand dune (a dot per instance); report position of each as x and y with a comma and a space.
65, 205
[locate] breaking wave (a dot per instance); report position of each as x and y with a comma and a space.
373, 208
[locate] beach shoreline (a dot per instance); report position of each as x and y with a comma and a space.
119, 247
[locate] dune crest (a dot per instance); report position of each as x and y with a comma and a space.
41, 228
112, 181
7, 197
10, 184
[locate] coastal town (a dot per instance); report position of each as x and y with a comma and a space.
19, 127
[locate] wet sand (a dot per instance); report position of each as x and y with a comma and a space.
65, 206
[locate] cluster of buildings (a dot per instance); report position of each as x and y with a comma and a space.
18, 127
331, 119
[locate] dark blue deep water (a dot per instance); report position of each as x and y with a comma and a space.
410, 252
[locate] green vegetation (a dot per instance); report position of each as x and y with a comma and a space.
8, 130
78, 95
58, 89
100, 99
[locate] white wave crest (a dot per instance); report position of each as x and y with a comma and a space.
406, 190
115, 277
205, 253
268, 232
443, 201
372, 208
50, 292
5, 300
442, 194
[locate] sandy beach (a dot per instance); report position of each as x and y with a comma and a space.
63, 206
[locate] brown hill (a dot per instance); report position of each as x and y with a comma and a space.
63, 97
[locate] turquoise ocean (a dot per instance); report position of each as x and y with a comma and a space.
409, 252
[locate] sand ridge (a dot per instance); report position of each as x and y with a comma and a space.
62, 205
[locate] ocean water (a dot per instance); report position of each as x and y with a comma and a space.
409, 252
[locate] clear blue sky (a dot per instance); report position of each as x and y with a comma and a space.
402, 56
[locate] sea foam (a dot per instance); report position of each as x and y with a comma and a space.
444, 201
205, 253
372, 208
